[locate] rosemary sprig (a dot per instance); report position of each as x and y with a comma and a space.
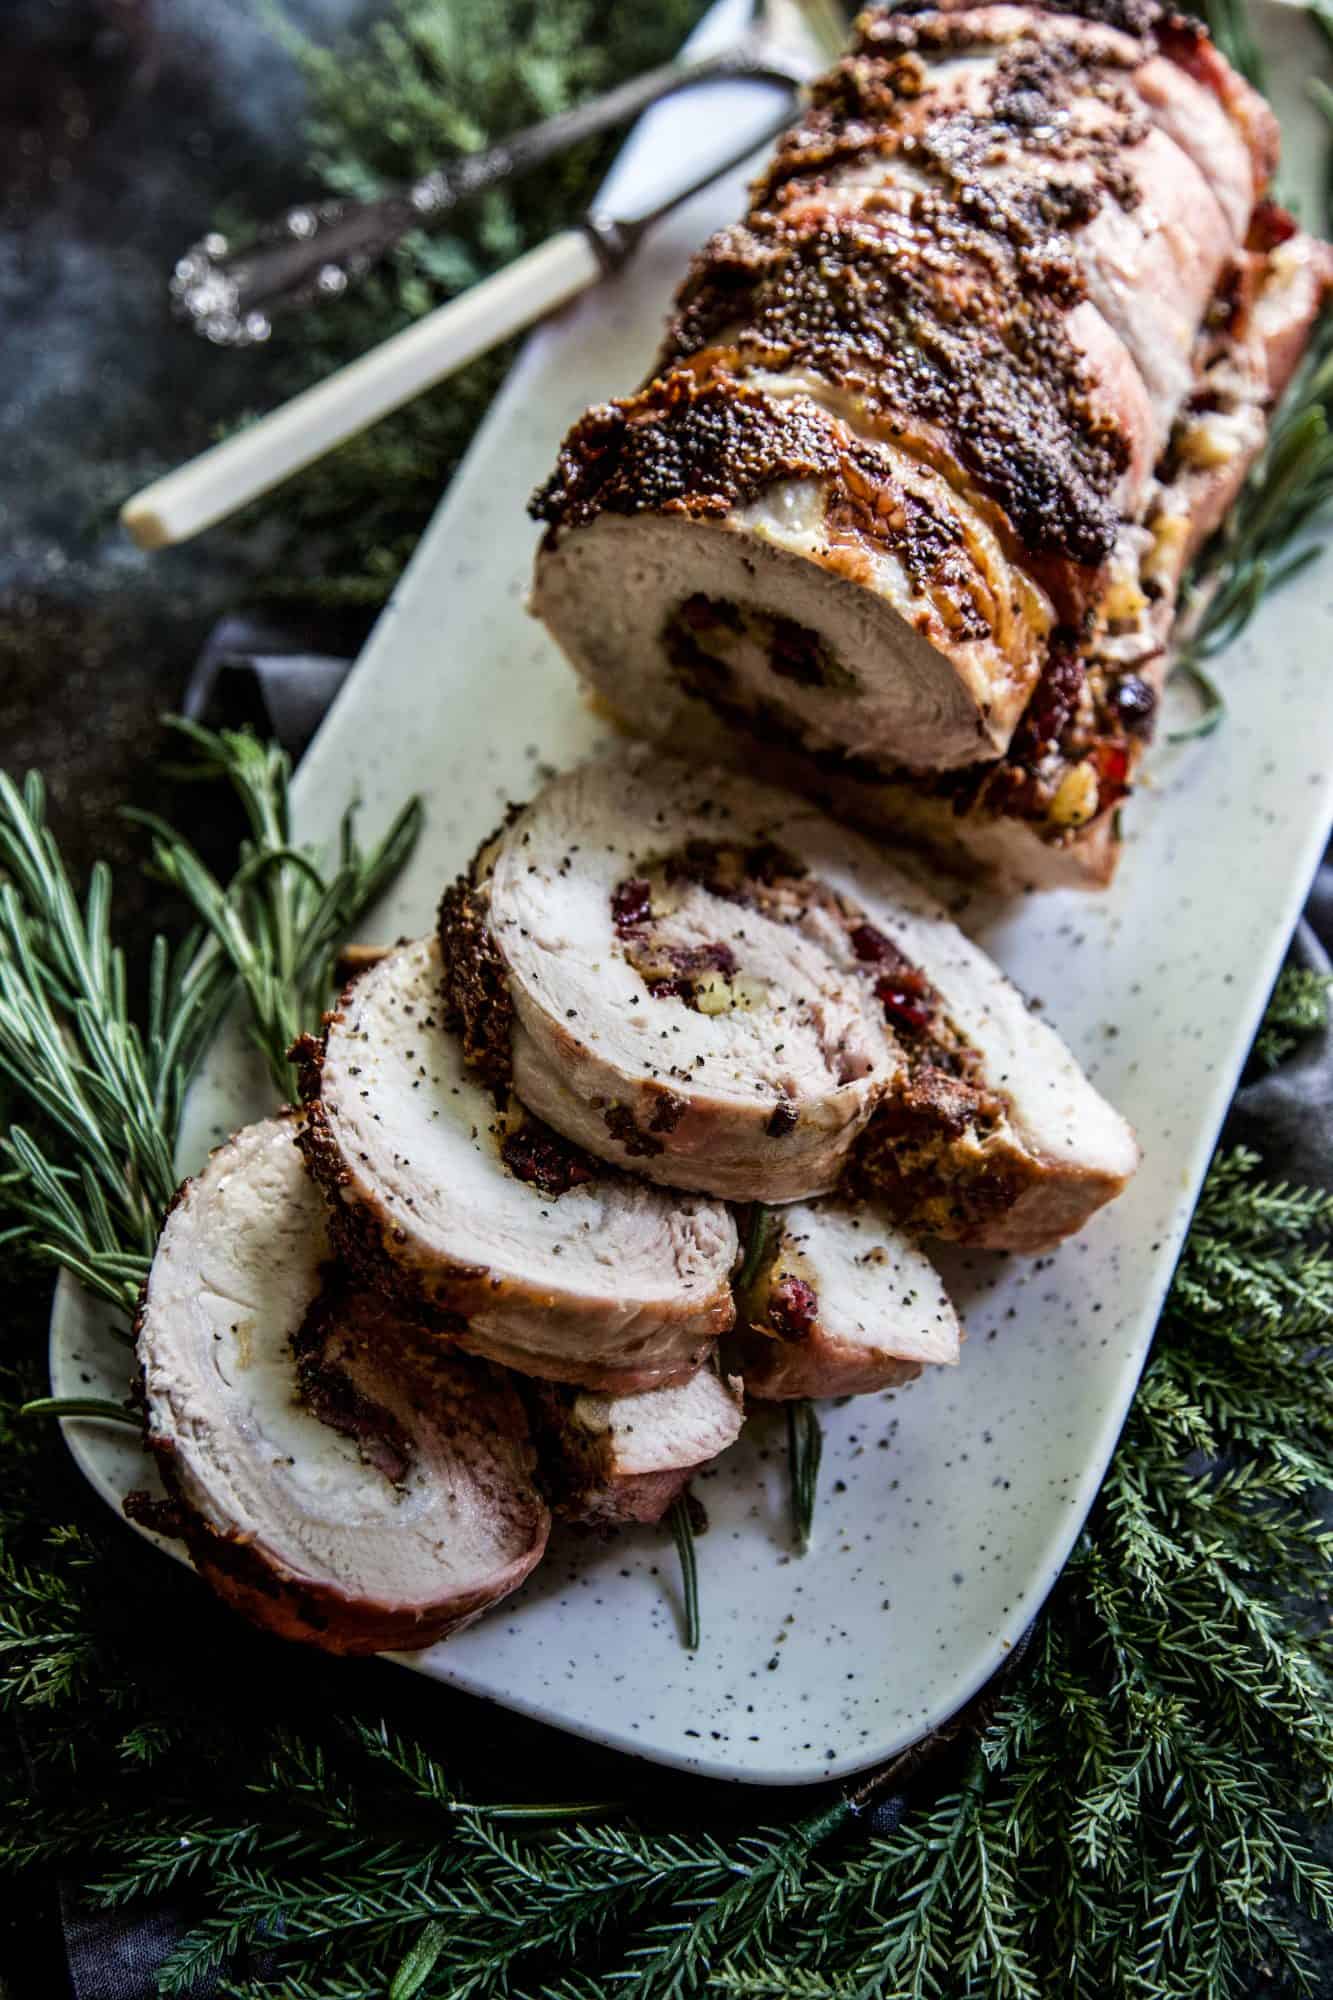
805, 1449
100, 1407
682, 1529
86, 1187
87, 1190
761, 1235
1265, 540
280, 920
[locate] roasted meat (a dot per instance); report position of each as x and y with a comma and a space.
609, 1459
902, 513
841, 1304
330, 1482
693, 977
474, 1213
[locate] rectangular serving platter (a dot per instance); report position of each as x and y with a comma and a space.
945, 1511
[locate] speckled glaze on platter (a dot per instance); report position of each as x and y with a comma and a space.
946, 1510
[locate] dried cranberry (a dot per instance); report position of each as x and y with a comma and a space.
545, 1161
903, 1008
871, 946
782, 1119
631, 903
1270, 225
1134, 703
792, 1307
1053, 703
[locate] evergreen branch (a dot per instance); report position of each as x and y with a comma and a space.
1298, 1007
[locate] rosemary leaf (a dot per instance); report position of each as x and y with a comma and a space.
1215, 706
81, 1406
761, 1235
805, 1449
682, 1529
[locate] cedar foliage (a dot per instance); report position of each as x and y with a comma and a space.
1127, 1824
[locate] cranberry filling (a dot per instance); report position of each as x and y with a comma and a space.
631, 904
903, 1008
544, 1160
792, 1307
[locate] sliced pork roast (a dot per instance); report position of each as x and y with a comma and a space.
695, 977
839, 1304
522, 1247
327, 1485
609, 1459
902, 514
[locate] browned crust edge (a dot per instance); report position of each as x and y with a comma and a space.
253, 1582
475, 981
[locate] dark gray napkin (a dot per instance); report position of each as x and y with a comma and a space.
251, 673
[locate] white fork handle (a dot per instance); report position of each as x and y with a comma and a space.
226, 478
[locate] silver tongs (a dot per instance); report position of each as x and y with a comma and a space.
793, 40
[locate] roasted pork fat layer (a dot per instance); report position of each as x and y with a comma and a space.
905, 506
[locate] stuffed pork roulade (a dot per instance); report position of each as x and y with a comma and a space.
700, 980
327, 1484
520, 1246
839, 1304
611, 1459
903, 512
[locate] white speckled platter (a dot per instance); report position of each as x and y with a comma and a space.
946, 1511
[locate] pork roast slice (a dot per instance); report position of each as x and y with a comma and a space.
698, 978
536, 1255
841, 1304
326, 1489
609, 1459
741, 536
